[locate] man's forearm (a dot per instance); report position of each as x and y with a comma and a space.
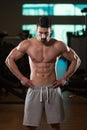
72, 68
14, 69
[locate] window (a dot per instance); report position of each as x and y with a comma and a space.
52, 9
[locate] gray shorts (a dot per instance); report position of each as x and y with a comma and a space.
43, 97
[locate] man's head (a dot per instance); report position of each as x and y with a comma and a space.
44, 21
44, 29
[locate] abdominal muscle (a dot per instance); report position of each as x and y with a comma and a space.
43, 73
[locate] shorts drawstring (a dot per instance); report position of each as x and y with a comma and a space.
47, 91
41, 94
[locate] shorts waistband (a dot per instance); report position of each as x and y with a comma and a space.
43, 86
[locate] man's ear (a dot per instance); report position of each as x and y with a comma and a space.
51, 32
36, 29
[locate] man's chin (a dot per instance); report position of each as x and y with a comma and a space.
43, 41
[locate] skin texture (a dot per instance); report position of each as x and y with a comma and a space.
43, 52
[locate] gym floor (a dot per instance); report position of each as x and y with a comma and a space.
11, 114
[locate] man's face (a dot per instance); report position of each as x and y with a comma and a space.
43, 34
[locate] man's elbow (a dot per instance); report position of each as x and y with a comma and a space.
79, 61
7, 61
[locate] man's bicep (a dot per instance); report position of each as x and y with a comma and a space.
15, 54
69, 55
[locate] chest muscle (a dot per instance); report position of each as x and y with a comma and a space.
43, 54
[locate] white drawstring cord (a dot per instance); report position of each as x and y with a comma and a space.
41, 94
47, 94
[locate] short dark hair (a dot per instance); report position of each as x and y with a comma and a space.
44, 21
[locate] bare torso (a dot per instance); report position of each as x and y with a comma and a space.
42, 61
43, 53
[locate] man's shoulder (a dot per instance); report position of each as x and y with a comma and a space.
27, 42
59, 43
24, 44
31, 41
55, 42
